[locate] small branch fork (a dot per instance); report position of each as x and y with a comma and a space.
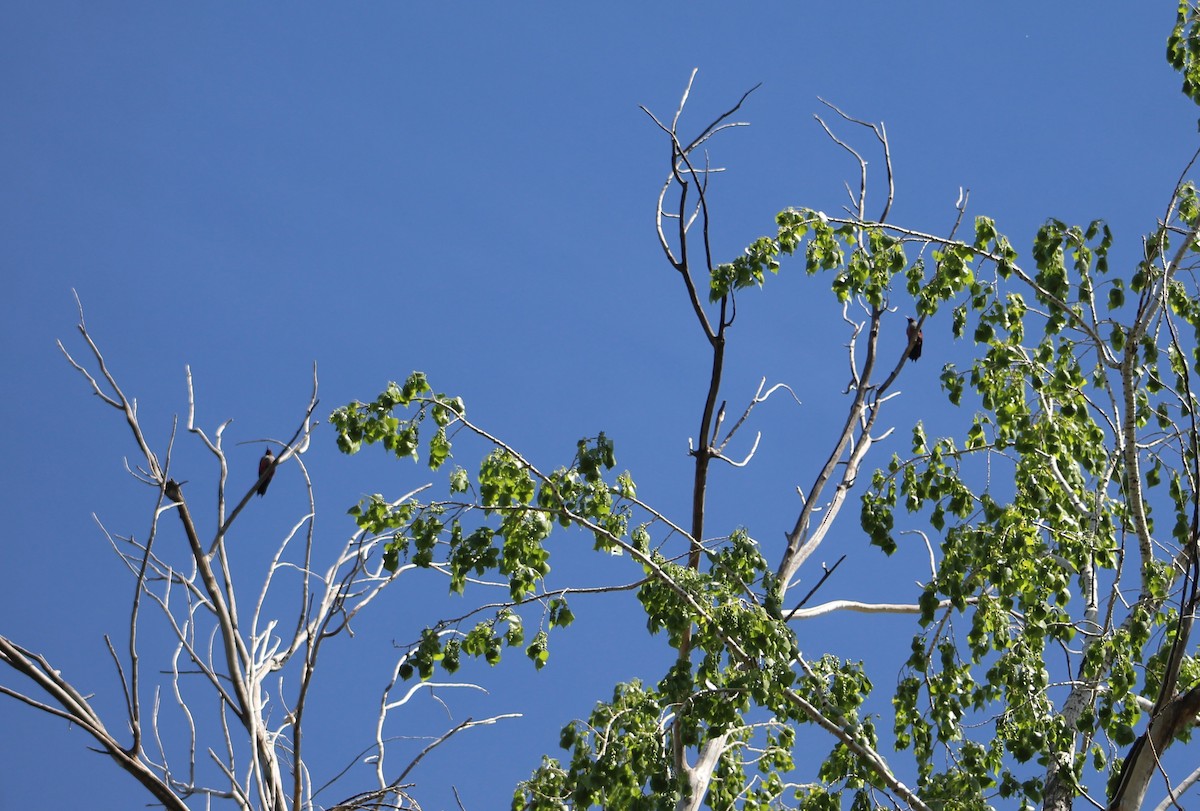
859, 202
858, 432
680, 216
221, 649
682, 176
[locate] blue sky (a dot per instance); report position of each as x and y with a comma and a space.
468, 189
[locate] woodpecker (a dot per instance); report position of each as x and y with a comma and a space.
920, 339
264, 466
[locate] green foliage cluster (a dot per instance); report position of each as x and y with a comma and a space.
1183, 48
621, 758
868, 273
495, 521
1073, 429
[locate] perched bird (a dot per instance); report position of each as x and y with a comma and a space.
920, 339
264, 466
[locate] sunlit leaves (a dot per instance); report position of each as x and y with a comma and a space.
878, 505
559, 613
954, 273
823, 251
869, 269
504, 481
595, 457
1116, 294
580, 492
1030, 513
1183, 48
990, 241
497, 520
370, 423
619, 759
472, 552
426, 655
745, 271
460, 480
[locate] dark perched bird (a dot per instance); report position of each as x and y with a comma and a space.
920, 339
264, 466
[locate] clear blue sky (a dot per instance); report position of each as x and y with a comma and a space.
468, 189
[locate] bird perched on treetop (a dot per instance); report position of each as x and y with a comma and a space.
264, 466
920, 339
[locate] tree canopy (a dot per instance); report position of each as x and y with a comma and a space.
1050, 658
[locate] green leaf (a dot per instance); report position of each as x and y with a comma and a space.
538, 651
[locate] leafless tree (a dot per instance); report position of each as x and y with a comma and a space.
249, 649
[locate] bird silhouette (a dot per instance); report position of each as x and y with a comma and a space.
920, 339
264, 466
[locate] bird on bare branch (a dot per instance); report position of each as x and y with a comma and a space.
264, 466
914, 332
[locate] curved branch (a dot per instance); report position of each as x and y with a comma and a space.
77, 709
